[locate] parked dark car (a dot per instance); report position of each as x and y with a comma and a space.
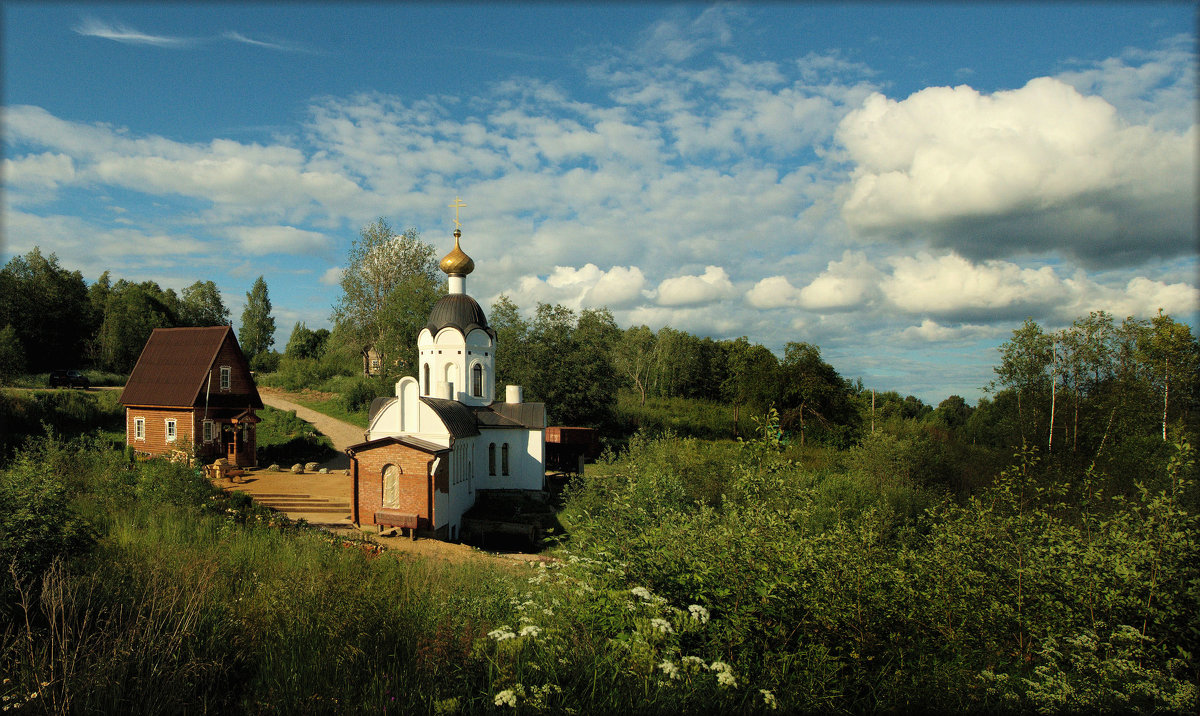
68, 378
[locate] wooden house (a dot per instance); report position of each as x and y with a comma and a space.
372, 361
192, 389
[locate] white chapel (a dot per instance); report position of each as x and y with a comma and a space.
447, 436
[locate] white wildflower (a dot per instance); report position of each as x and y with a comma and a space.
698, 613
642, 593
768, 699
670, 669
502, 633
693, 662
724, 673
506, 697
530, 630
661, 625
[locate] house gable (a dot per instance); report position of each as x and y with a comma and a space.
182, 367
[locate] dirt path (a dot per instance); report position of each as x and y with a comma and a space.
342, 434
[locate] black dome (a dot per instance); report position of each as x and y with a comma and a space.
458, 310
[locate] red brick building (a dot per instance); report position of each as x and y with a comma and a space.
192, 387
399, 481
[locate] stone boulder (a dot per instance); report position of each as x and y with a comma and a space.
297, 469
311, 466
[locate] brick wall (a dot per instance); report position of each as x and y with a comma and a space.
416, 497
156, 442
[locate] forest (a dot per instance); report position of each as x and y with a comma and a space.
761, 534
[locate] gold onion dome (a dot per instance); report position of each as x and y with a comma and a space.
457, 263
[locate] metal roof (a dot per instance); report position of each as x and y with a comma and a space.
457, 418
524, 415
174, 367
460, 311
406, 440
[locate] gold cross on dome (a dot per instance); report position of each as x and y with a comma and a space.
458, 204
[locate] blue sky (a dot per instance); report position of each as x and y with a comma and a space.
900, 184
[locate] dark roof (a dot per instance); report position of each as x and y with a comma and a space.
512, 415
460, 311
174, 367
458, 418
406, 440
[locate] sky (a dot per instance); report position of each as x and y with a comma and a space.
900, 184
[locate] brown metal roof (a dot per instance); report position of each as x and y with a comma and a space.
174, 368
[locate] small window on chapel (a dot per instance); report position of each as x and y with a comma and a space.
504, 459
225, 377
139, 428
170, 430
477, 381
426, 379
492, 459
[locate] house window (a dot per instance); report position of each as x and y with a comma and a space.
209, 431
477, 381
504, 459
426, 379
139, 428
492, 459
170, 430
225, 377
374, 365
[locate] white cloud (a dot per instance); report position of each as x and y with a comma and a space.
712, 285
618, 288
930, 331
1156, 87
1030, 169
850, 283
92, 27
951, 285
585, 287
279, 240
332, 276
45, 170
773, 292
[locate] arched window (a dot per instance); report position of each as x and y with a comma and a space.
426, 379
391, 487
477, 381
492, 459
504, 459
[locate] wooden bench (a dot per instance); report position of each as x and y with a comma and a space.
391, 518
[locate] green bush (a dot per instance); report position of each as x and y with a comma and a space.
37, 522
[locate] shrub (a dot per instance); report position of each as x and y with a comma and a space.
37, 522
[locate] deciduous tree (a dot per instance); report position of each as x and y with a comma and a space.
257, 332
201, 305
389, 286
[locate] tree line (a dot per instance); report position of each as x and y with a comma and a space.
51, 318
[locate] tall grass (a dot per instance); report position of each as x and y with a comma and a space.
696, 577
